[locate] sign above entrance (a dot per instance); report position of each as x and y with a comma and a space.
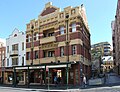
36, 67
58, 66
21, 68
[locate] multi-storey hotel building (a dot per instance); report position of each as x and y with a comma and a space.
58, 37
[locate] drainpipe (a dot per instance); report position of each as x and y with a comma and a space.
67, 40
32, 44
67, 49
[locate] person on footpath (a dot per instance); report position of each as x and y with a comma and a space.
55, 80
84, 81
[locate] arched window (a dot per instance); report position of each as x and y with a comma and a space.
37, 36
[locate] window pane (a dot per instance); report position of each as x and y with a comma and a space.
62, 30
37, 36
23, 46
62, 51
36, 54
73, 27
74, 49
7, 62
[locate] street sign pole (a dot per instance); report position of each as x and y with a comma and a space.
48, 78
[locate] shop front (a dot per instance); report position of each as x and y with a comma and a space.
48, 74
8, 76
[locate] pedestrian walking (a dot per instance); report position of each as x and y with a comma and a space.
84, 81
55, 79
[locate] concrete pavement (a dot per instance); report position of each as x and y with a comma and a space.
97, 89
11, 89
112, 78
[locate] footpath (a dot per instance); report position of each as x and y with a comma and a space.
39, 90
112, 80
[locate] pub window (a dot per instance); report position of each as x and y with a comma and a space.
36, 54
62, 30
61, 51
37, 36
74, 49
73, 27
50, 53
28, 55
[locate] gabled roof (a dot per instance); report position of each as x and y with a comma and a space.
48, 9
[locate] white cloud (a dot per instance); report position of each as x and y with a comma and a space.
3, 40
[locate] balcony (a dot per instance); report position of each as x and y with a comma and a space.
47, 60
47, 40
14, 53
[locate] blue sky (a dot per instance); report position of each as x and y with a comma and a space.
17, 13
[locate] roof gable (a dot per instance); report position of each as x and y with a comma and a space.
48, 9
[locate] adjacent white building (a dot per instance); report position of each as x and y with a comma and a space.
16, 49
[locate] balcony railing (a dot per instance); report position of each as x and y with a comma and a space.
47, 39
48, 59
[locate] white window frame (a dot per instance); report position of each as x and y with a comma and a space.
37, 36
14, 61
50, 54
73, 27
61, 51
61, 30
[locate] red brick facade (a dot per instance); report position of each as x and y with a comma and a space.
68, 43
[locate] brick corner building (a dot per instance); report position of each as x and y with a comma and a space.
58, 44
